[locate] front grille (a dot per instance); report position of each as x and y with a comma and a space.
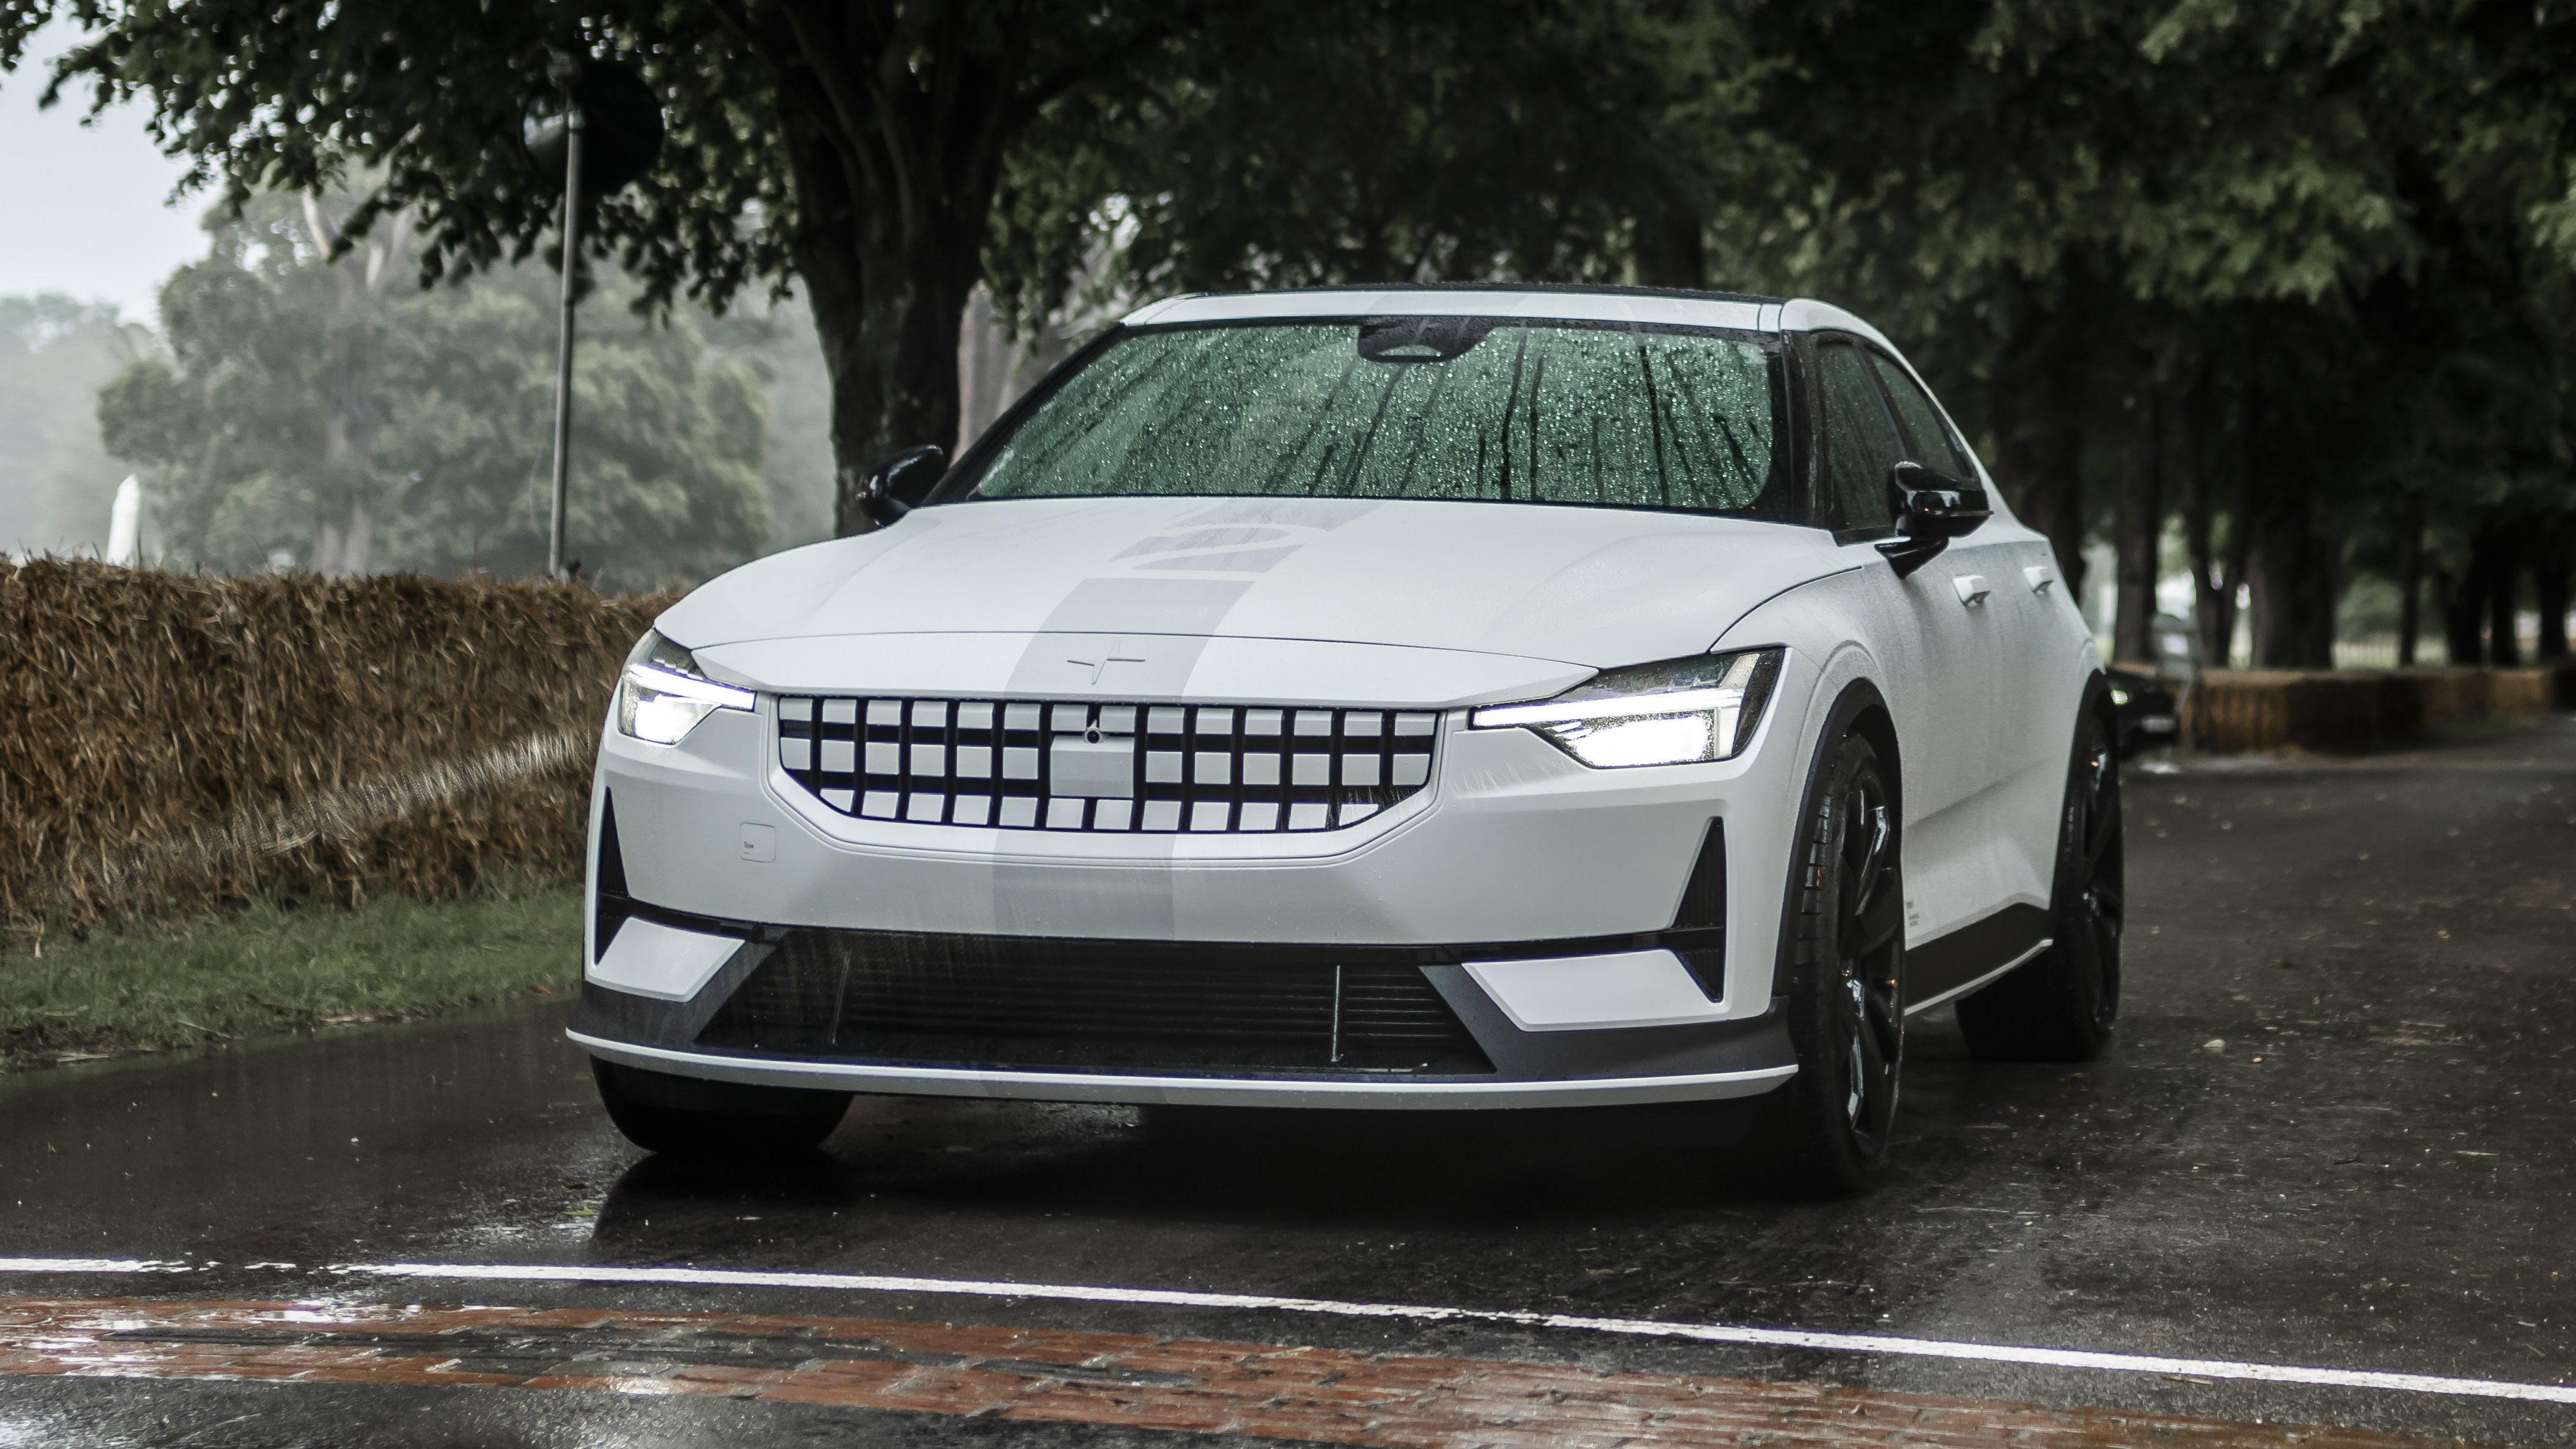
1049, 1002
1028, 765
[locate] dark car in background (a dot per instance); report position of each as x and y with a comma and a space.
2150, 714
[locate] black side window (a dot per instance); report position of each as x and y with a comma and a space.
1861, 445
1931, 443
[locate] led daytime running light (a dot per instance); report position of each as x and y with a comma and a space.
1687, 701
1683, 711
690, 686
661, 696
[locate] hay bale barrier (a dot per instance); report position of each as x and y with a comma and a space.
177, 740
2244, 711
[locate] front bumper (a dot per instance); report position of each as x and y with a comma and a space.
1455, 1043
1517, 881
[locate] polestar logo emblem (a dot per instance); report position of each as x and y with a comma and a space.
1100, 666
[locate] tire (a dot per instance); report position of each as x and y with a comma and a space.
2061, 1006
688, 1117
1843, 965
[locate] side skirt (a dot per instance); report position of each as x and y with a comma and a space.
1948, 967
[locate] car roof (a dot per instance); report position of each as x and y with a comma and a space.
1566, 303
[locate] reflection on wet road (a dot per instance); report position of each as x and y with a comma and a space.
2371, 1172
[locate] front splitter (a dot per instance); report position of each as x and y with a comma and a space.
1130, 1089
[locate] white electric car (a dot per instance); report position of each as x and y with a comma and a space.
1416, 697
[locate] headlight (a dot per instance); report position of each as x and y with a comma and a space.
1675, 713
662, 696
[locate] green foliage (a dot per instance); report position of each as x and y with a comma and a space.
1374, 141
776, 342
290, 98
859, 141
667, 438
2346, 226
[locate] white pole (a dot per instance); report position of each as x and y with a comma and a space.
125, 525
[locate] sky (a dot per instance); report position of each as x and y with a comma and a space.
86, 212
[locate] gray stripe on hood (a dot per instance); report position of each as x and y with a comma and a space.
1140, 638
1164, 623
1324, 514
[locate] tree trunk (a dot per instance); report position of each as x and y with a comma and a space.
2293, 561
2214, 580
1670, 249
2463, 609
893, 368
894, 119
2138, 528
347, 506
2293, 585
887, 311
2240, 563
2504, 565
2293, 581
2549, 566
2410, 588
2039, 420
2199, 527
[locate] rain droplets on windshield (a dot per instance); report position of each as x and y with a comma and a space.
1434, 408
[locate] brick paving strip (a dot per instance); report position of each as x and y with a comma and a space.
1256, 1390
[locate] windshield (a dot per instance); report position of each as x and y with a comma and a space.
1465, 408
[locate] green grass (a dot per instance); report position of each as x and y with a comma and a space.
267, 967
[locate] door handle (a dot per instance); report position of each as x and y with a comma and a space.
2040, 577
1972, 589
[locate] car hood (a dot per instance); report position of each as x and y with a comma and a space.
1591, 587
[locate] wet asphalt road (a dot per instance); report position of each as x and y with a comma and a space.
2373, 1173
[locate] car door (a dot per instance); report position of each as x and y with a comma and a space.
1935, 646
2026, 725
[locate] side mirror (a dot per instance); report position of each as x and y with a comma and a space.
898, 484
1938, 508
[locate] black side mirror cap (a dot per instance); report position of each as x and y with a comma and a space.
897, 485
1938, 508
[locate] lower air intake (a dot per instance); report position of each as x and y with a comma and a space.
1116, 1005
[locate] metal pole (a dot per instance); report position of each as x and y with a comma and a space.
563, 350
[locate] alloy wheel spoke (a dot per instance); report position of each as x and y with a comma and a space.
1855, 852
1883, 1015
1864, 852
2108, 899
1873, 1061
2100, 829
1869, 930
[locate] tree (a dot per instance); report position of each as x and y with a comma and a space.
2045, 184
854, 143
1393, 141
344, 520
448, 421
861, 146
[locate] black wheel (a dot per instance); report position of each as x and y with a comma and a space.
2060, 1007
688, 1117
1843, 962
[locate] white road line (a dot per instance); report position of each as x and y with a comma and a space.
97, 1265
1177, 1298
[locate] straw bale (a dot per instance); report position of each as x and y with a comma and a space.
2234, 710
171, 738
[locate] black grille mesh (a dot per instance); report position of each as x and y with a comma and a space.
1035, 1001
1030, 765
